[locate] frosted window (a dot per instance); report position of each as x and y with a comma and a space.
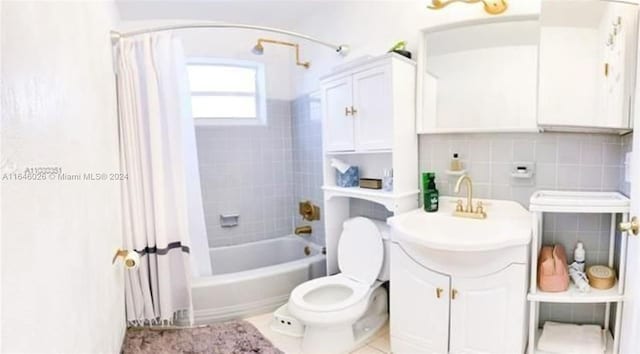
221, 78
223, 106
226, 92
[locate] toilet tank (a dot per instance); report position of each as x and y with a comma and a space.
385, 231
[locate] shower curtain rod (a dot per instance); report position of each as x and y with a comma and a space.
341, 49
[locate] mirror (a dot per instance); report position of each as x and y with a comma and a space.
570, 66
482, 76
587, 63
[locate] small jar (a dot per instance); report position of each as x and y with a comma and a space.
387, 180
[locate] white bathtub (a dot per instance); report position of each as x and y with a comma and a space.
254, 278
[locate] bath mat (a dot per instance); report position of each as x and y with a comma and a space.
234, 337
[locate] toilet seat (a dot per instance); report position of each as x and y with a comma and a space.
360, 250
329, 293
360, 258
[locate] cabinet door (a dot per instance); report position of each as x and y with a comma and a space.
488, 313
338, 122
372, 100
419, 310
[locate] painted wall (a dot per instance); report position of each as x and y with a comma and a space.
60, 293
237, 44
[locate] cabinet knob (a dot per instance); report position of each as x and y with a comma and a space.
439, 292
346, 111
353, 111
454, 293
631, 226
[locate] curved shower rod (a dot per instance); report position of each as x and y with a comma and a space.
341, 49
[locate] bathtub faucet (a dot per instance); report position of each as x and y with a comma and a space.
303, 230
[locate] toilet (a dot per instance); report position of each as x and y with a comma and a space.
340, 312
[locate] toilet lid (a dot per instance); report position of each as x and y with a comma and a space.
360, 250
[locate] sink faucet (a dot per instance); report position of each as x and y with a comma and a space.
468, 212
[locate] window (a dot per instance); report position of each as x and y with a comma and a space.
226, 92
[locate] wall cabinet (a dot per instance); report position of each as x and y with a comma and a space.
439, 312
359, 108
560, 65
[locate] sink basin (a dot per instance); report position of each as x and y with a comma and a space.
507, 224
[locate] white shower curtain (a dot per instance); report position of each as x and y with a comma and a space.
162, 206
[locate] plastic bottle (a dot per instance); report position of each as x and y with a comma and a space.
579, 256
456, 165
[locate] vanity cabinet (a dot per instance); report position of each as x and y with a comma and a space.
361, 104
448, 311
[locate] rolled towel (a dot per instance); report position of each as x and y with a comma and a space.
568, 338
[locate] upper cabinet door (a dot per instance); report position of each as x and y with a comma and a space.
419, 306
372, 102
587, 63
488, 313
338, 119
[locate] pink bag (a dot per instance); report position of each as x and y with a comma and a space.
553, 272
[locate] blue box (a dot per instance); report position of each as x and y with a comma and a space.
350, 178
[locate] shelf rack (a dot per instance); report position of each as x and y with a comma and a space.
612, 203
381, 136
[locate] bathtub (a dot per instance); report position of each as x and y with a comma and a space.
254, 278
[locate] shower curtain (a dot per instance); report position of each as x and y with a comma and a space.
162, 205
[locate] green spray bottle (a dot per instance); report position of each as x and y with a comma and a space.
429, 192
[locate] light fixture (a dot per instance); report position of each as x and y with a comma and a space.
258, 49
492, 7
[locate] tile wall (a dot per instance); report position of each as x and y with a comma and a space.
563, 161
248, 170
306, 132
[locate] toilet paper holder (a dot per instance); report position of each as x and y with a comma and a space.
131, 259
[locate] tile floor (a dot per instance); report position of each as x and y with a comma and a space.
379, 343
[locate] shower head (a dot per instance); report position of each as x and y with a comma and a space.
258, 49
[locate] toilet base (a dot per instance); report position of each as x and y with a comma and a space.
283, 322
346, 337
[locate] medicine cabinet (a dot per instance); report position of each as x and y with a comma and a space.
565, 65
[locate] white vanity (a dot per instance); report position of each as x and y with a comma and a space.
459, 285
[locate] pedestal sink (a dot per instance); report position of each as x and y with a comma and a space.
459, 285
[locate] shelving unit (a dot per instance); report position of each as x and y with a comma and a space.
390, 200
368, 121
578, 202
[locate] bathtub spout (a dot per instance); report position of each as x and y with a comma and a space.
302, 230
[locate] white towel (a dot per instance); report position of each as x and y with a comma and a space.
568, 338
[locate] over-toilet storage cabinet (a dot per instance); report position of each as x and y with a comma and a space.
358, 106
450, 302
368, 120
612, 203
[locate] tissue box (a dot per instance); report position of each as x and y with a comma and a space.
350, 178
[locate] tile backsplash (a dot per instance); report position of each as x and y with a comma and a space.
562, 161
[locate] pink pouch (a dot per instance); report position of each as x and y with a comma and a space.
553, 272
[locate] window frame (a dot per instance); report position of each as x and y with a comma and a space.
260, 92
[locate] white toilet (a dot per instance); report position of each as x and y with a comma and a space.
342, 311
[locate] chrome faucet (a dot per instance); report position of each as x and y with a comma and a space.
468, 211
